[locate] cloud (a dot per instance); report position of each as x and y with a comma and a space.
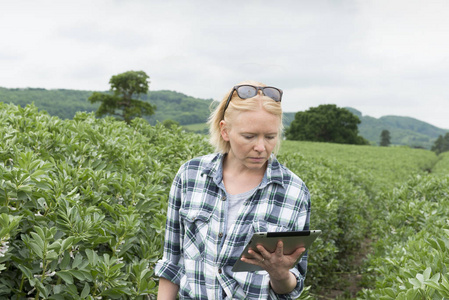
380, 57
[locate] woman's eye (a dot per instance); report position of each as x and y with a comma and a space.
271, 137
248, 137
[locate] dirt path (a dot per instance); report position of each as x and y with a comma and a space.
350, 283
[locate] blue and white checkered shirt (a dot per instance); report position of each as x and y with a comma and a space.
199, 254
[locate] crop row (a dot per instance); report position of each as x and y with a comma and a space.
340, 208
361, 182
411, 256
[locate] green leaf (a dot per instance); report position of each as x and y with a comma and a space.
59, 288
67, 243
55, 246
78, 274
43, 186
45, 290
445, 283
113, 293
415, 282
390, 292
52, 255
26, 271
36, 249
38, 173
38, 240
434, 285
42, 203
66, 276
77, 261
427, 273
86, 291
436, 277
65, 261
92, 256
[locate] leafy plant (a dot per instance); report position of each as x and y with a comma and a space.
83, 202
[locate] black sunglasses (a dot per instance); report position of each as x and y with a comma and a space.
246, 91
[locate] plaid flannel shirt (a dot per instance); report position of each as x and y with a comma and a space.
199, 254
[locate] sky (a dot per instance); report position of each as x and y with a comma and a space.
381, 57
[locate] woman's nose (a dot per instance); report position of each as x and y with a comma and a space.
260, 146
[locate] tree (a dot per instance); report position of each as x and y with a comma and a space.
385, 138
168, 123
326, 123
121, 103
441, 144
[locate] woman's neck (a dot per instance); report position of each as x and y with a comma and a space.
239, 179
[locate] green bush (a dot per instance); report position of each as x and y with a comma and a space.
83, 203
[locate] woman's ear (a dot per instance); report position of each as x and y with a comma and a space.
224, 130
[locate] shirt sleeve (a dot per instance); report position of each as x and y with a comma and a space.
300, 269
169, 267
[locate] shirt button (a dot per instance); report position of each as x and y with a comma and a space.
220, 235
223, 198
219, 271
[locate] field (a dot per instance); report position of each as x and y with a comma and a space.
83, 201
387, 166
199, 127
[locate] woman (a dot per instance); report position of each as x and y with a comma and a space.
217, 201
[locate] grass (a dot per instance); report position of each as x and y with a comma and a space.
196, 127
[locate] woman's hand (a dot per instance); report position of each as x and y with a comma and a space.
277, 264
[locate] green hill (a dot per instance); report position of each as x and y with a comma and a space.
187, 110
65, 103
60, 103
403, 130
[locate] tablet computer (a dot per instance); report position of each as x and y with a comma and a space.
292, 240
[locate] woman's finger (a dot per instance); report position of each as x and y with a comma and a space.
279, 248
264, 253
255, 259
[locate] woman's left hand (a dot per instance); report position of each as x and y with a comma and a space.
277, 264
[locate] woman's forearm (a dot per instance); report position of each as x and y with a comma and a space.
167, 290
285, 285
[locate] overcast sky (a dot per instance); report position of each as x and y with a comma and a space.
382, 57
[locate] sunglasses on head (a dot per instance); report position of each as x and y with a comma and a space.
246, 91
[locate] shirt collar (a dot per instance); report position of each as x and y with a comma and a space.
273, 173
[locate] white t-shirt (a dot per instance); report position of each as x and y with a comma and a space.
234, 204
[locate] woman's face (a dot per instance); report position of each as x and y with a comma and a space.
252, 136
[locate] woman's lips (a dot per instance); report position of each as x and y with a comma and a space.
257, 158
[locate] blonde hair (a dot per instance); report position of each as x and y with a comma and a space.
237, 105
